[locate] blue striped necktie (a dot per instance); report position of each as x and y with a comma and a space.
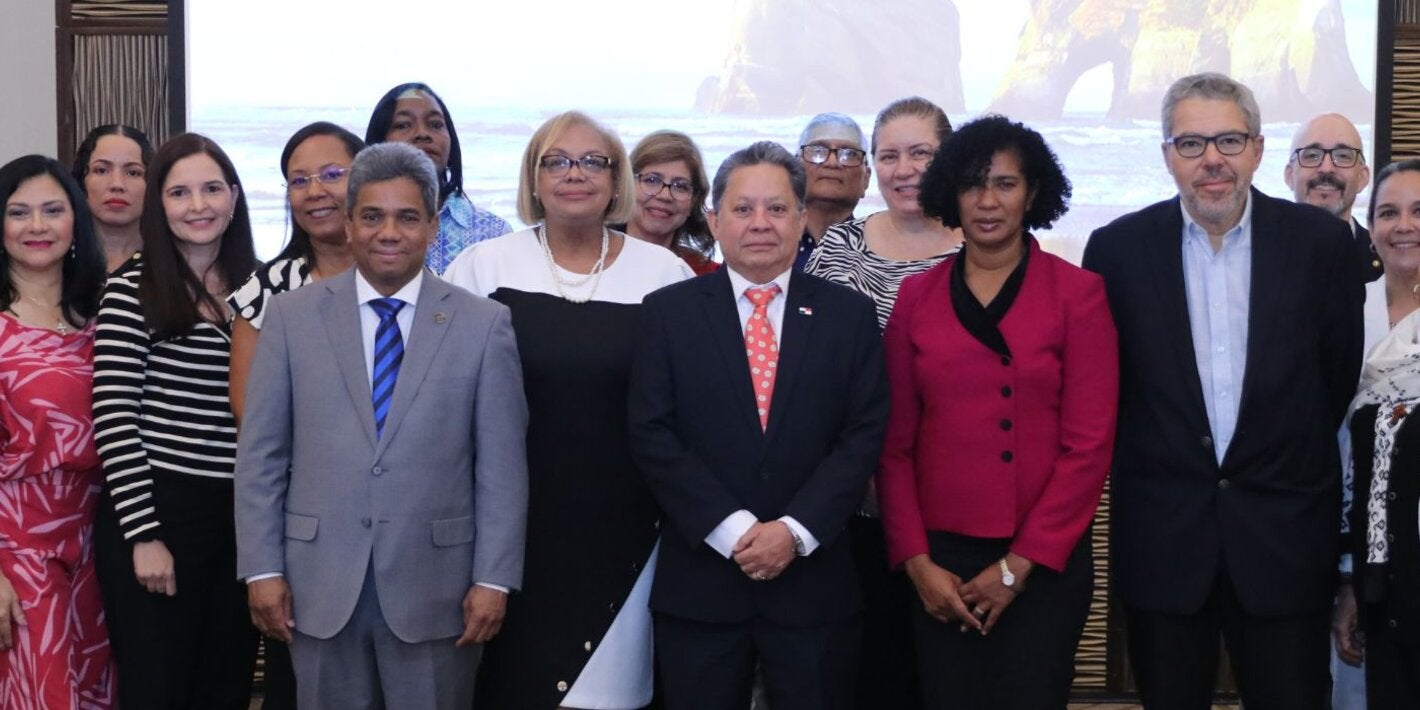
389, 352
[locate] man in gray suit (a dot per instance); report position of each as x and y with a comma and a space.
381, 485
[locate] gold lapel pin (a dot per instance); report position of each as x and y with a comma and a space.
440, 318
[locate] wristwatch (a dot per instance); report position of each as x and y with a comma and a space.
1007, 577
799, 549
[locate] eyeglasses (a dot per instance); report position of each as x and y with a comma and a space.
1192, 146
818, 155
1341, 156
325, 176
652, 184
558, 165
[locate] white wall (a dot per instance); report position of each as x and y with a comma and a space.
28, 116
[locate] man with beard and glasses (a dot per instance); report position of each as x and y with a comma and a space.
1239, 319
1327, 168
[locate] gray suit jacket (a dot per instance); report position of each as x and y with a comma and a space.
437, 503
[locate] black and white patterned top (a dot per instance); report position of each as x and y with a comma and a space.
278, 276
843, 257
162, 422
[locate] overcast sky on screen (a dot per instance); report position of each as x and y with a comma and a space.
622, 54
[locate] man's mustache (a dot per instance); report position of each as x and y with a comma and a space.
1326, 179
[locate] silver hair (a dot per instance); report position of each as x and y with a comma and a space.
761, 153
1215, 86
389, 161
837, 120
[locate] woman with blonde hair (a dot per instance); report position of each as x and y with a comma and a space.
578, 634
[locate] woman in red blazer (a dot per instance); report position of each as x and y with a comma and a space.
1004, 371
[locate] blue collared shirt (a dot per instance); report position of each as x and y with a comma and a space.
1218, 285
461, 225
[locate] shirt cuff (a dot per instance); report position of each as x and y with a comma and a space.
810, 542
259, 577
723, 538
490, 585
1345, 566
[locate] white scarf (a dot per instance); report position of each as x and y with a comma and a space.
1390, 379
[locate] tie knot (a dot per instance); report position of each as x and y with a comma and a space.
762, 295
387, 307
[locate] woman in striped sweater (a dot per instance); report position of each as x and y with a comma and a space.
182, 635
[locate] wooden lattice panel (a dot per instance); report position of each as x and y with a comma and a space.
1405, 110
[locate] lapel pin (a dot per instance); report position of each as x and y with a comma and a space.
805, 311
440, 318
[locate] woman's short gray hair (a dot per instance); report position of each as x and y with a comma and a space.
1215, 86
389, 161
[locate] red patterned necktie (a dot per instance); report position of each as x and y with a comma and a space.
761, 348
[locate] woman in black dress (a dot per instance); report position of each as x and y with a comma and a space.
579, 633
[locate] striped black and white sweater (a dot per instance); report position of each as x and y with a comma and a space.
162, 421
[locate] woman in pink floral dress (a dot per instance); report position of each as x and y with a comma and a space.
54, 650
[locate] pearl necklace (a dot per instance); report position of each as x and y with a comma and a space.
594, 276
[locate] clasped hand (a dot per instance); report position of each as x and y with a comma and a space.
764, 550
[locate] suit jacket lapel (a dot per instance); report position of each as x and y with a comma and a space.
723, 321
432, 316
1271, 265
1172, 291
341, 314
793, 346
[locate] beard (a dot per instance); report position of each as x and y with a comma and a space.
1215, 212
1340, 208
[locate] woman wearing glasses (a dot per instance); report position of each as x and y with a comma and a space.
314, 162
670, 198
579, 633
412, 113
872, 255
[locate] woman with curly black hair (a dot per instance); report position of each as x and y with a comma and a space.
1003, 366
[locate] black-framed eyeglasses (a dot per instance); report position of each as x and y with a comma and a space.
1341, 156
1191, 145
652, 184
591, 164
328, 175
818, 155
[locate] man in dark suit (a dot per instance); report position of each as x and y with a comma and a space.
1239, 320
1327, 168
759, 401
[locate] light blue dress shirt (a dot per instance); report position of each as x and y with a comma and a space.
1218, 285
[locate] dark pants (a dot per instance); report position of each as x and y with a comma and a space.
1392, 664
706, 666
1028, 659
887, 670
1280, 662
193, 650
279, 692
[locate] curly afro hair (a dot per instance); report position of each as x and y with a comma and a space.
963, 159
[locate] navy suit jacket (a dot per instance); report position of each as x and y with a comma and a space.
1371, 266
1268, 514
696, 435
